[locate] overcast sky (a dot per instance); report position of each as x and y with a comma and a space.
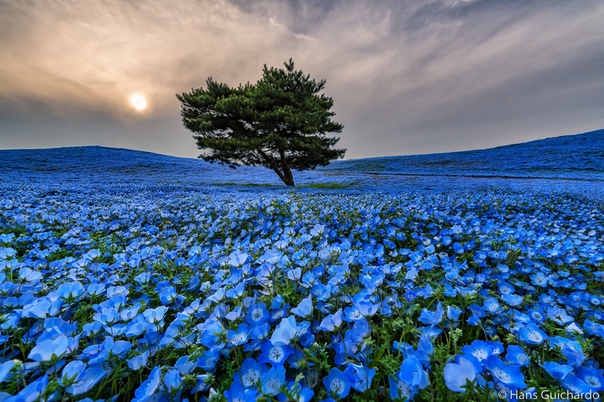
406, 76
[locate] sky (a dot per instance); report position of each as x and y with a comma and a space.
406, 76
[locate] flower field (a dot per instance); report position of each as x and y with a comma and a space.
116, 293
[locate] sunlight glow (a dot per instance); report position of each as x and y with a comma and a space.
138, 102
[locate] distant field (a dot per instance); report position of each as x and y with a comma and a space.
127, 275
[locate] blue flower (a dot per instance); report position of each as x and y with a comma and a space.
167, 295
277, 302
33, 391
507, 374
556, 370
70, 291
571, 349
453, 313
430, 332
492, 306
360, 377
274, 355
71, 372
172, 382
331, 322
234, 314
481, 350
240, 336
294, 274
128, 314
298, 392
149, 386
273, 380
413, 373
213, 333
317, 230
236, 291
203, 383
458, 374
515, 354
304, 308
355, 336
256, 314
536, 314
237, 393
208, 359
400, 389
87, 380
539, 279
116, 348
138, 361
432, 317
576, 385
237, 258
592, 377
512, 299
137, 326
47, 350
250, 373
531, 334
285, 332
424, 350
260, 332
155, 317
337, 384
42, 308
559, 315
352, 313
5, 369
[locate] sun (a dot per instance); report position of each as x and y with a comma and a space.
138, 101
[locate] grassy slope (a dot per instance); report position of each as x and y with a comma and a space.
571, 157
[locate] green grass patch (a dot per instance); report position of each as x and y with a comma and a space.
334, 186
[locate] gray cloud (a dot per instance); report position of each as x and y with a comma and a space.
408, 76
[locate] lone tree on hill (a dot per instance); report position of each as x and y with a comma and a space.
280, 122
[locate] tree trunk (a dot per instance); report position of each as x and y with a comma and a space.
289, 181
286, 175
289, 177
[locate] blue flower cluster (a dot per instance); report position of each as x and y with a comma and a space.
168, 294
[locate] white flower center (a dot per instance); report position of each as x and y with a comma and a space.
502, 375
403, 388
593, 381
535, 336
250, 377
337, 386
240, 337
480, 354
276, 354
273, 385
257, 314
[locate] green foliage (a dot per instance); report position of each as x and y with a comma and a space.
280, 122
334, 186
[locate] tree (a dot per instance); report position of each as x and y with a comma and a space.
280, 122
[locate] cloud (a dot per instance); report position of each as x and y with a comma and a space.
406, 76
95, 53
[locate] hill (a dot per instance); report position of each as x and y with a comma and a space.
579, 156
575, 157
99, 163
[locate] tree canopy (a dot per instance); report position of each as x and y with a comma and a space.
281, 122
